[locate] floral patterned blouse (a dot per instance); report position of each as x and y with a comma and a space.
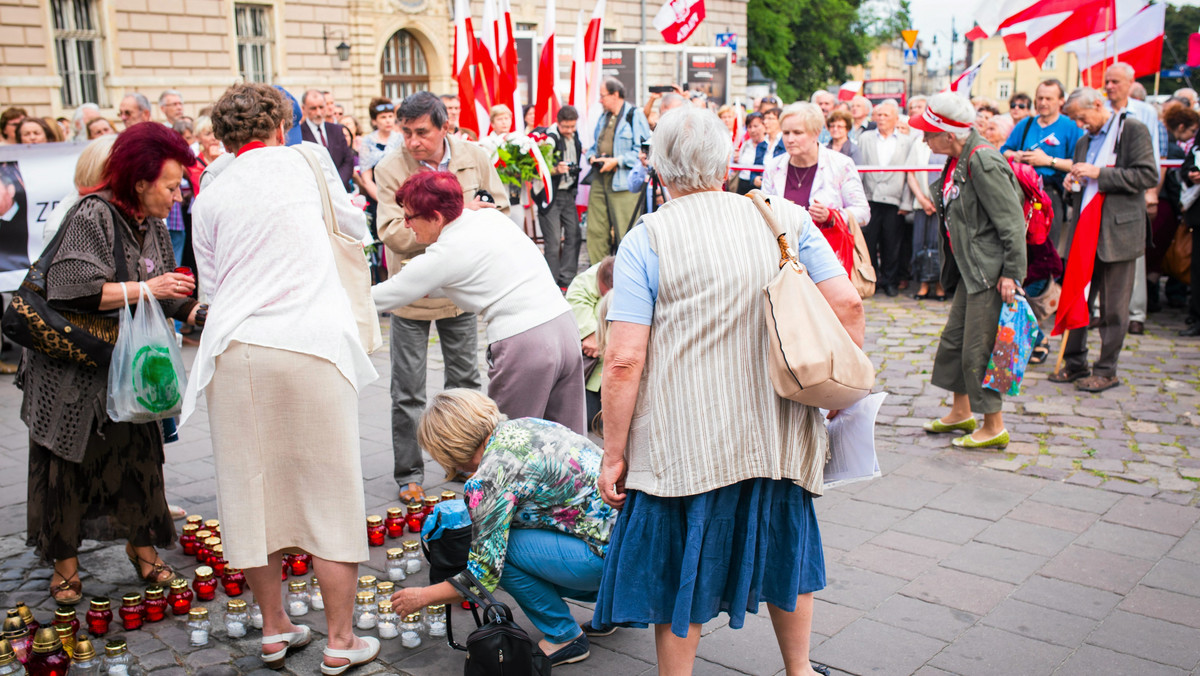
534, 474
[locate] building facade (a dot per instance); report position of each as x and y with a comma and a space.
57, 54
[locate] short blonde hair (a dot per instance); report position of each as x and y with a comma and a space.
89, 168
203, 123
812, 120
498, 110
454, 424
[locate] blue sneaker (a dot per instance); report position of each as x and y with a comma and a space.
575, 651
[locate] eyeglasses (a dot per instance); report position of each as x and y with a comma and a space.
383, 107
1021, 106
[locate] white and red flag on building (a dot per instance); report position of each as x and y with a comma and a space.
849, 90
464, 64
545, 103
1036, 31
1137, 40
962, 84
678, 19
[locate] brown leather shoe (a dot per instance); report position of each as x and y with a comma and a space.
412, 493
1097, 383
1066, 375
1137, 328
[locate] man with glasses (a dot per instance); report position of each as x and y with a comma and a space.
1019, 106
134, 109
1047, 143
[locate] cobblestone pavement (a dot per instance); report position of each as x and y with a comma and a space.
1076, 551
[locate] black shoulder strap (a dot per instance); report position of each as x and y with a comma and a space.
1024, 134
629, 115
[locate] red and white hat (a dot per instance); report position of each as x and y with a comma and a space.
934, 123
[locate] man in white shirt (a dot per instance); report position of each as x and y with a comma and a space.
886, 240
860, 112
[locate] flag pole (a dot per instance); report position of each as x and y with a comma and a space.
1062, 351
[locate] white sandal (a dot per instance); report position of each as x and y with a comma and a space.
356, 657
294, 639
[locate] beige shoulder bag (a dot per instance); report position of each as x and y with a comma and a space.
351, 260
813, 359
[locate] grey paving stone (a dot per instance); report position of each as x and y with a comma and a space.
218, 670
1040, 623
830, 618
1026, 537
845, 538
864, 515
944, 526
1075, 497
1148, 638
857, 588
1097, 568
892, 650
971, 593
903, 492
1053, 516
1153, 515
914, 544
1134, 542
1163, 605
158, 660
924, 618
208, 657
888, 561
1188, 547
1175, 575
757, 653
987, 651
999, 563
1091, 660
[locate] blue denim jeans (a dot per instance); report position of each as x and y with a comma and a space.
542, 568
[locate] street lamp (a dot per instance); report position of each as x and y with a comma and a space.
343, 49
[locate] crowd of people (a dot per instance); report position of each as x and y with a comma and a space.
676, 517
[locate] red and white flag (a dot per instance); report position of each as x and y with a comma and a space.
678, 19
546, 100
849, 90
506, 44
1137, 41
962, 83
1038, 31
578, 94
464, 63
591, 62
1073, 312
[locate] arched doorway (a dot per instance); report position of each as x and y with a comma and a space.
403, 66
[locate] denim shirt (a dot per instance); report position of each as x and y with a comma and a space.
627, 141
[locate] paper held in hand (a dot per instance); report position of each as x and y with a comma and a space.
852, 443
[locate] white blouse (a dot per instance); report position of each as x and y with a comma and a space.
264, 261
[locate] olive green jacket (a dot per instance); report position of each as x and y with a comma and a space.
984, 218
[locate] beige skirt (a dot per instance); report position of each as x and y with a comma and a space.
286, 449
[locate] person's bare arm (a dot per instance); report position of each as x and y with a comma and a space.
846, 304
624, 360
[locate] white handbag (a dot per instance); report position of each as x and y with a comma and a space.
351, 259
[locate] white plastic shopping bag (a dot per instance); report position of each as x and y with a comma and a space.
146, 380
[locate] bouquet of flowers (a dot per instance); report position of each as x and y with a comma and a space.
521, 159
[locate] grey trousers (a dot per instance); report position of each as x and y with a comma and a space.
1112, 283
538, 373
966, 346
560, 230
410, 347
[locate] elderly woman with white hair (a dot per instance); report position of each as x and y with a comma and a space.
983, 256
716, 509
997, 129
812, 176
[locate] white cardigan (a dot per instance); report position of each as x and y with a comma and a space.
264, 261
836, 184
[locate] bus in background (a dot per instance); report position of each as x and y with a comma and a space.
883, 89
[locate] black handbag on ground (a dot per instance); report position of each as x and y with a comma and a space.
447, 551
31, 322
498, 647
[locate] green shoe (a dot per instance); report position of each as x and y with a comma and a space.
998, 441
936, 426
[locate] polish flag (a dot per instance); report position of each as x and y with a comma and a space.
1137, 41
546, 100
507, 45
849, 90
678, 19
578, 95
993, 15
1036, 37
488, 57
464, 61
593, 62
962, 83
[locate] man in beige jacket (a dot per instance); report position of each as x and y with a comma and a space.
427, 147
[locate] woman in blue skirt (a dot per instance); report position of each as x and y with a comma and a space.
714, 474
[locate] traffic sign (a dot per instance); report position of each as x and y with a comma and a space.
910, 37
910, 56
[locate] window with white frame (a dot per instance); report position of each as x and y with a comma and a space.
1005, 64
254, 42
1004, 90
77, 40
1049, 63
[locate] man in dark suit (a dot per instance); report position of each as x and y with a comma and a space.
315, 129
1122, 235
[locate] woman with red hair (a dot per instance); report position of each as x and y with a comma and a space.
485, 265
91, 477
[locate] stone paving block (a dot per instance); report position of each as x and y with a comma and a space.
158, 660
845, 538
1188, 547
1148, 638
891, 650
757, 653
228, 670
1182, 577
1062, 518
914, 544
1091, 660
636, 643
998, 563
208, 657
955, 589
944, 526
1134, 542
702, 667
931, 671
888, 561
1067, 596
1097, 568
864, 515
1163, 605
1040, 623
900, 491
1153, 515
1026, 537
987, 651
923, 618
857, 588
830, 618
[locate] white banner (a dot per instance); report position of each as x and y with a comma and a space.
33, 179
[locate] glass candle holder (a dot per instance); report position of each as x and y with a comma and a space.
198, 627
187, 539
283, 575
205, 585
66, 615
396, 571
389, 624
180, 597
367, 583
384, 590
65, 637
375, 530
214, 526
412, 557
27, 617
117, 661
84, 661
217, 561
133, 612
156, 604
233, 582
415, 518
435, 621
201, 536
256, 618
99, 616
301, 564
297, 598
208, 548
429, 503
410, 631
47, 657
237, 618
394, 523
9, 664
17, 633
315, 597
448, 495
366, 612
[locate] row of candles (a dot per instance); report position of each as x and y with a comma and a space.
379, 528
